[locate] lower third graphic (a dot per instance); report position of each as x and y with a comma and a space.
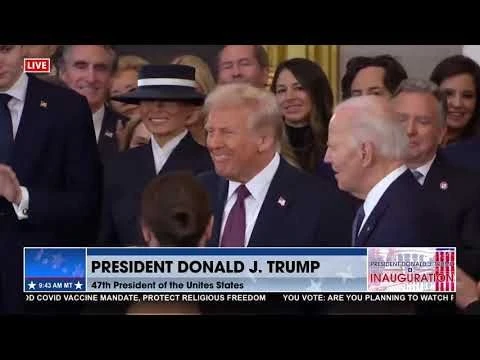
54, 270
411, 269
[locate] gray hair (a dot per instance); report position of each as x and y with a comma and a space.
421, 86
264, 109
374, 121
66, 49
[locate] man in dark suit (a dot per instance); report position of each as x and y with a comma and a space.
88, 69
49, 171
258, 198
366, 147
167, 97
464, 154
455, 192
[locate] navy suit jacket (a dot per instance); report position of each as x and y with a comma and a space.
402, 218
107, 139
55, 157
314, 214
465, 154
459, 203
125, 178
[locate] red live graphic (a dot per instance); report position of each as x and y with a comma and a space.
36, 65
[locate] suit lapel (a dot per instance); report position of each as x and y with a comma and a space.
274, 208
435, 175
220, 200
182, 156
32, 130
106, 139
380, 209
145, 164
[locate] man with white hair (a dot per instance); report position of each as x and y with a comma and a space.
367, 148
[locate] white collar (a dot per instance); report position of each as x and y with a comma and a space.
379, 189
425, 168
257, 184
19, 88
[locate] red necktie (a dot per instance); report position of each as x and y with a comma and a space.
234, 231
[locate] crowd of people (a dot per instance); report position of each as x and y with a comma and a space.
111, 150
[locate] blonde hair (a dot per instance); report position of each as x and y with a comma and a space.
131, 62
203, 75
265, 112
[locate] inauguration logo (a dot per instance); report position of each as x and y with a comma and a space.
411, 269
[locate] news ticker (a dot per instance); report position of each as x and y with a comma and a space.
240, 271
312, 298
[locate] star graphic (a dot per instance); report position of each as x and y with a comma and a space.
78, 285
31, 285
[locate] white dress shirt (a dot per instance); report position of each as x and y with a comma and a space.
424, 169
374, 195
258, 188
161, 153
98, 120
18, 92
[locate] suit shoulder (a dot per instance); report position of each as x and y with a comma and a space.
55, 91
208, 177
125, 160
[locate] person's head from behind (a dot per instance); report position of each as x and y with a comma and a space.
125, 79
243, 63
244, 130
88, 69
365, 143
176, 211
459, 77
379, 75
421, 109
11, 65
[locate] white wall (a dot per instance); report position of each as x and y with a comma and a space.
418, 60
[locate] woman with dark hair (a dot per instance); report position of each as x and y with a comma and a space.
459, 77
378, 75
306, 100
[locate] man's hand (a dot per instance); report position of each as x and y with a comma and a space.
467, 289
9, 185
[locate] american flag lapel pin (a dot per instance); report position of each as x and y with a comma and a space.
43, 104
281, 201
444, 185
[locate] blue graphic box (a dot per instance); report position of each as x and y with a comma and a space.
54, 269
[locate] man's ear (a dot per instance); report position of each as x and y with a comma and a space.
367, 153
207, 234
265, 141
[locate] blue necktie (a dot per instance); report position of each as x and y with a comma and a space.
6, 130
357, 222
418, 175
